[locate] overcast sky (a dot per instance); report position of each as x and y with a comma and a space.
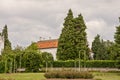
28, 20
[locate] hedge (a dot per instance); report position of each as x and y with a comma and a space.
102, 63
88, 64
73, 63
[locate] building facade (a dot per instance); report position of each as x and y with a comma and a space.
48, 46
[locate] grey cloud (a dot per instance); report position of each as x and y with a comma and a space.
27, 20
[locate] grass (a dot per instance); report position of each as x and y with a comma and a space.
106, 75
23, 76
40, 76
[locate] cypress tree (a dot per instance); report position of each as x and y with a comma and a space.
7, 43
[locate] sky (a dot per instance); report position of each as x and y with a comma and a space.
28, 20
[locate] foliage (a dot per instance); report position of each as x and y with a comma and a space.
103, 50
32, 61
47, 57
32, 58
101, 63
72, 39
117, 42
99, 48
88, 63
8, 61
80, 37
7, 53
2, 67
69, 63
12, 61
64, 43
32, 46
118, 64
7, 43
68, 75
110, 50
96, 46
18, 54
29, 58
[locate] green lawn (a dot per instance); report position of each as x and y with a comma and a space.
40, 76
106, 76
24, 76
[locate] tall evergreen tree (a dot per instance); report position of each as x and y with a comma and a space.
103, 51
117, 42
109, 47
96, 46
80, 37
7, 43
73, 38
99, 49
64, 42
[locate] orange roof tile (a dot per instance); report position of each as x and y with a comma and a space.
47, 44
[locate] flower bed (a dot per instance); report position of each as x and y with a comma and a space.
68, 75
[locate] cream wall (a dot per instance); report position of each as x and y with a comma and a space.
53, 51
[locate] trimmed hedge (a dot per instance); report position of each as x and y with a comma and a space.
88, 64
101, 64
69, 75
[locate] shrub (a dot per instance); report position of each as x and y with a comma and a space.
118, 64
101, 63
89, 63
2, 66
68, 75
32, 61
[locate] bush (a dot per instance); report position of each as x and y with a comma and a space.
68, 75
69, 63
118, 64
32, 61
88, 64
2, 66
101, 64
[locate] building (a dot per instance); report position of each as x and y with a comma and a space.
48, 46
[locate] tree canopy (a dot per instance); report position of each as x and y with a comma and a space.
7, 43
73, 39
117, 42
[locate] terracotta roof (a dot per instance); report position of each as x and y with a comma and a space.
47, 44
